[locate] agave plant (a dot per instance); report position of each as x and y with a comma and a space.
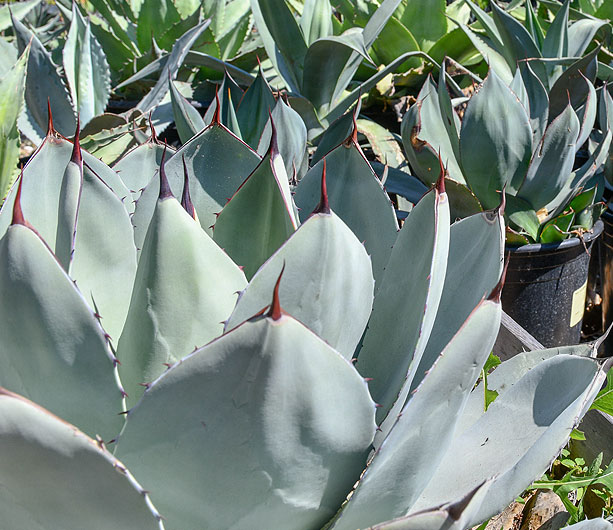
316, 64
505, 40
12, 82
520, 138
304, 389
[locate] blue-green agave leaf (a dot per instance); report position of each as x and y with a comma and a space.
410, 293
171, 67
40, 450
495, 141
12, 85
326, 270
404, 463
425, 134
260, 215
254, 110
474, 265
43, 83
187, 119
185, 287
141, 164
552, 162
86, 67
356, 196
51, 338
544, 406
283, 39
217, 164
291, 137
269, 414
316, 20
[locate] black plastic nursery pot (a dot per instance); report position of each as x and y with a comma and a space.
546, 285
606, 277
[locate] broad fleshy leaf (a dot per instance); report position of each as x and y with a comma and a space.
356, 196
291, 137
217, 164
254, 110
316, 20
412, 451
553, 160
425, 135
452, 516
260, 216
42, 83
187, 119
326, 271
409, 294
140, 165
495, 141
185, 287
54, 476
283, 39
474, 265
87, 70
270, 414
51, 338
537, 414
171, 67
12, 86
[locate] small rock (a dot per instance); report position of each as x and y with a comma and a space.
544, 511
509, 519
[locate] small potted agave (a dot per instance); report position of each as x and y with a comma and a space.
522, 140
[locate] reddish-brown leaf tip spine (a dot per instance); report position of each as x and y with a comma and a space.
50, 128
275, 312
18, 218
440, 183
186, 200
165, 191
496, 293
273, 148
354, 132
324, 205
217, 114
76, 147
154, 137
503, 201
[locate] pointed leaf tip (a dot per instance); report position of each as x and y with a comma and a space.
50, 128
217, 114
18, 218
273, 148
324, 205
354, 132
186, 200
440, 183
496, 293
165, 191
154, 136
275, 312
76, 147
503, 201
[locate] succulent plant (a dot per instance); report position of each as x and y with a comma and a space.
505, 40
522, 139
272, 422
316, 64
12, 83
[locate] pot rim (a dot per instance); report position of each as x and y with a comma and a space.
588, 237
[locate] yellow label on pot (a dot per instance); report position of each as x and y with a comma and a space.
576, 311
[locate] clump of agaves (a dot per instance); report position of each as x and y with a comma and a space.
522, 138
139, 390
